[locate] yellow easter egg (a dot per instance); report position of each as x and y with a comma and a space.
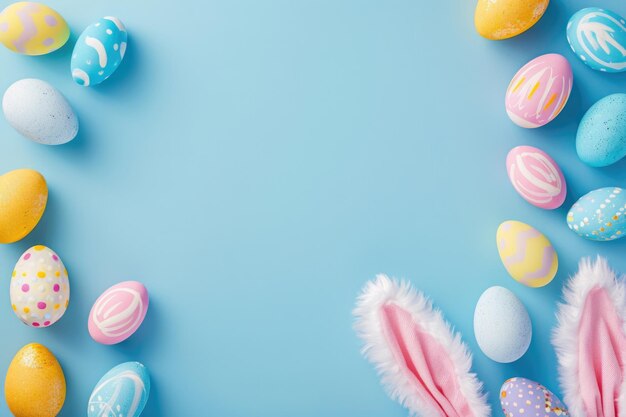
32, 28
502, 19
23, 198
35, 384
526, 253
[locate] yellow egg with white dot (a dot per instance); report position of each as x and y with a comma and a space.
502, 19
23, 198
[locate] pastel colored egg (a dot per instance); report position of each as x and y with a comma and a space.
521, 397
40, 288
23, 198
502, 326
502, 19
536, 177
539, 91
123, 391
598, 37
39, 112
599, 215
601, 135
35, 384
118, 312
526, 253
32, 28
99, 51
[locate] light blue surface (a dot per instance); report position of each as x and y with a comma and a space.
255, 162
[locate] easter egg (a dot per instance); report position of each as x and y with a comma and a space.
35, 384
598, 37
32, 28
601, 135
599, 214
501, 325
118, 312
23, 198
526, 253
521, 397
123, 391
502, 19
40, 289
39, 112
539, 91
99, 51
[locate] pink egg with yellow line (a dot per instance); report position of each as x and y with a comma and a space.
539, 91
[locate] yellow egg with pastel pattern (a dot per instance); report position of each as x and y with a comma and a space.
31, 28
526, 253
23, 198
502, 19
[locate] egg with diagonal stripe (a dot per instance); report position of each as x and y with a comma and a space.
121, 392
539, 91
526, 253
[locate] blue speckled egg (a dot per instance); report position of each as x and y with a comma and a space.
601, 136
599, 215
598, 37
123, 391
99, 51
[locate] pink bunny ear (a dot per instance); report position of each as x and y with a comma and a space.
422, 363
590, 342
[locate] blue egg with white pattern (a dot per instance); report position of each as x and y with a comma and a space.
598, 38
599, 215
99, 51
123, 391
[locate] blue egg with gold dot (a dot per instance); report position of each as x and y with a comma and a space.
599, 215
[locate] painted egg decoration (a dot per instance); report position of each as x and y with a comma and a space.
539, 91
526, 253
521, 397
40, 288
599, 215
32, 28
502, 19
34, 384
123, 391
99, 51
502, 325
601, 135
118, 312
598, 37
536, 177
39, 112
23, 198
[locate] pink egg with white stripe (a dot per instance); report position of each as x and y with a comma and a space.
536, 177
118, 312
539, 91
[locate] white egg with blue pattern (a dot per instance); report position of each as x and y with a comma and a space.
123, 391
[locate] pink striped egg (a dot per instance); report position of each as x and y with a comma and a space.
536, 177
539, 91
118, 312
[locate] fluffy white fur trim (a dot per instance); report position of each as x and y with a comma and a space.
368, 326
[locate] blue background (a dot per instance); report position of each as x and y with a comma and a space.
255, 162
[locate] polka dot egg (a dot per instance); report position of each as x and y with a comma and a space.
40, 289
521, 397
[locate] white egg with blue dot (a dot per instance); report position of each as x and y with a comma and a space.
99, 51
123, 391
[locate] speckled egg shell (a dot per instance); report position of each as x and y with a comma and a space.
599, 215
124, 389
39, 112
536, 177
40, 288
598, 37
32, 28
521, 397
99, 51
539, 91
23, 198
118, 312
502, 326
502, 19
601, 136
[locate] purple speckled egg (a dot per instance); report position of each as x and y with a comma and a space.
521, 397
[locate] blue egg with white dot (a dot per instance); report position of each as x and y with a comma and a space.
99, 51
599, 215
123, 391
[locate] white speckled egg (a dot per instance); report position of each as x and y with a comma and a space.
39, 112
40, 289
501, 325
